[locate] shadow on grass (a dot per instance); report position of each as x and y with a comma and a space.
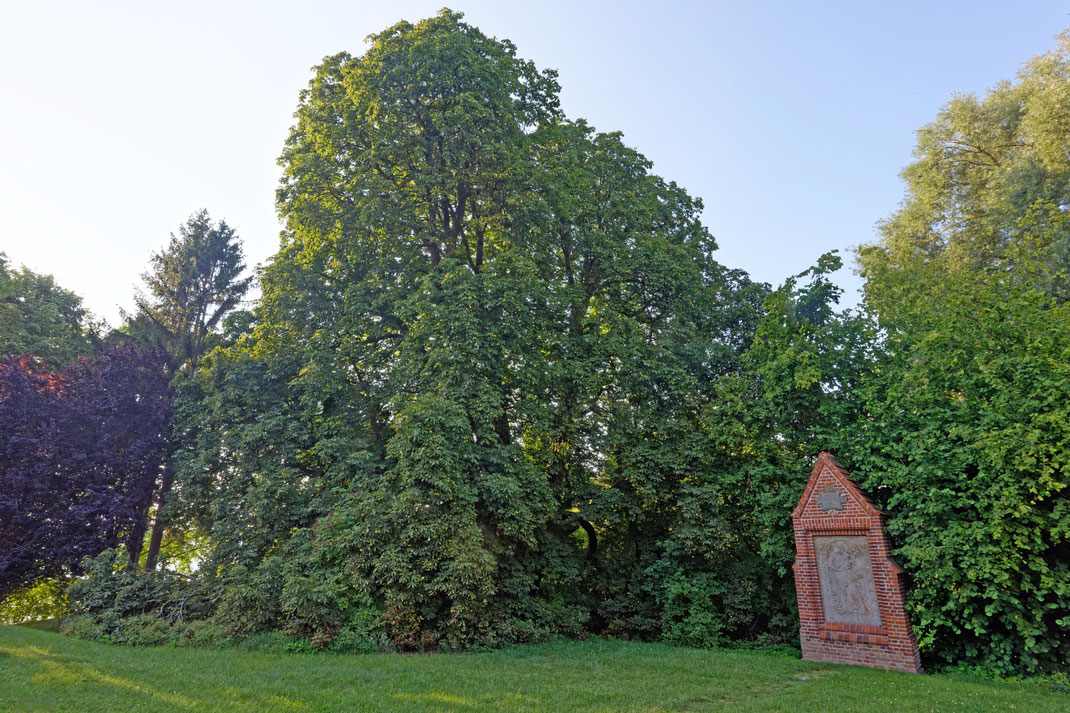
50, 674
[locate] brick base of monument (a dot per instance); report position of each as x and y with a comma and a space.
873, 654
850, 590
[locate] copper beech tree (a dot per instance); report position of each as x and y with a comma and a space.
81, 452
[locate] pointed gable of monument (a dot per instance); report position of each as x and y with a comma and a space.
831, 492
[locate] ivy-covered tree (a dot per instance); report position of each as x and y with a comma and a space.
965, 433
965, 442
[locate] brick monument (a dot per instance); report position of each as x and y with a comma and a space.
849, 588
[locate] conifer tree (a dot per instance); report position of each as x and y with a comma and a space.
192, 285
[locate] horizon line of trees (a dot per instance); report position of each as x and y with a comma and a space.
497, 389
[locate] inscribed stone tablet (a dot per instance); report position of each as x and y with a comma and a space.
846, 575
831, 499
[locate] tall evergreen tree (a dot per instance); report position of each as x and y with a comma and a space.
193, 285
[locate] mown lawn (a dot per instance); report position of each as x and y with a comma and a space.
43, 671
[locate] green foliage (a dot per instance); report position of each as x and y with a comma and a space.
276, 642
497, 390
981, 167
708, 610
82, 626
966, 441
193, 284
146, 630
46, 599
119, 600
363, 633
39, 317
965, 435
200, 632
724, 570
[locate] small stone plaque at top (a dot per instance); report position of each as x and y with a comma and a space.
830, 499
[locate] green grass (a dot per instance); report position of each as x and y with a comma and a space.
43, 671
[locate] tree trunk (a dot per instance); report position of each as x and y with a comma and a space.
592, 539
136, 540
157, 527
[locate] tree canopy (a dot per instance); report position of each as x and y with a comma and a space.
194, 285
477, 369
40, 318
989, 180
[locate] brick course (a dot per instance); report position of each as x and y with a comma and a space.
889, 645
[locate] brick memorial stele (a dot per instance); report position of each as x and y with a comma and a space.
850, 590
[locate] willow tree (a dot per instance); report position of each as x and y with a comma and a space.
473, 383
990, 177
966, 427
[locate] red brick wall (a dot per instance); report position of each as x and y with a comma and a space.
890, 645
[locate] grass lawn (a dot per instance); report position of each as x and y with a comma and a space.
43, 671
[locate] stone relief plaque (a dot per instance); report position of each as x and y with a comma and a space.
848, 595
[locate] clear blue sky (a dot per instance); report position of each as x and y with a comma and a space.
790, 120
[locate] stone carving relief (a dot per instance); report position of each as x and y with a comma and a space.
848, 594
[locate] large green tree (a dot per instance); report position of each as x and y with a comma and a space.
474, 384
965, 441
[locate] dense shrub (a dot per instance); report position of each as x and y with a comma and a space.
113, 593
82, 626
146, 630
966, 442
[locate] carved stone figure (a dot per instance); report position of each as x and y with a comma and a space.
847, 591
